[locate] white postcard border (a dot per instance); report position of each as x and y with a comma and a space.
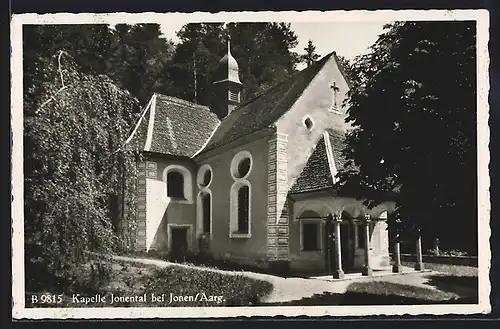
19, 310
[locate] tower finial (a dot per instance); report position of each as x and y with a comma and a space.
229, 44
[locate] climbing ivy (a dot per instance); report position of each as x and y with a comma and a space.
76, 168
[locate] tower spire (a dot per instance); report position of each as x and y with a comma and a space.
227, 84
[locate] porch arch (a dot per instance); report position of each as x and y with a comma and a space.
359, 211
322, 208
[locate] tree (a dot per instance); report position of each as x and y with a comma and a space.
195, 59
75, 170
310, 56
346, 66
90, 46
140, 56
413, 111
263, 52
135, 57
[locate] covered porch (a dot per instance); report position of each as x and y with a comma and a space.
340, 235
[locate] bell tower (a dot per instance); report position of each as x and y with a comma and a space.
227, 85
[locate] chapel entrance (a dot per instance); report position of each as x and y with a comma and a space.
179, 244
346, 247
346, 242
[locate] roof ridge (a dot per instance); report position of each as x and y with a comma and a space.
186, 103
342, 71
181, 101
292, 77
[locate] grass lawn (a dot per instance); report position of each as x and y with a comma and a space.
454, 270
139, 285
457, 279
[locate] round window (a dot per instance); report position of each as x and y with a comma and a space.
207, 178
204, 176
243, 167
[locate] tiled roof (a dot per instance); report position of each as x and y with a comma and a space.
337, 141
182, 128
265, 109
178, 127
316, 174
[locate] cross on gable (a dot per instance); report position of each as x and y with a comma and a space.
335, 95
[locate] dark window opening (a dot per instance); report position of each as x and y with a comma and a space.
243, 209
175, 185
207, 178
310, 234
308, 123
243, 167
361, 235
206, 213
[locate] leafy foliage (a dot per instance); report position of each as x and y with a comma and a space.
134, 57
75, 169
418, 85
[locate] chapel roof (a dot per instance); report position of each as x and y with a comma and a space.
263, 110
318, 173
173, 126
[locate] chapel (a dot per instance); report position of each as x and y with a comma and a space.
253, 182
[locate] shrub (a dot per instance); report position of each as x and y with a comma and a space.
92, 276
452, 252
235, 290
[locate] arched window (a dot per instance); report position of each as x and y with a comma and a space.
240, 210
204, 204
206, 212
175, 185
243, 208
179, 184
240, 196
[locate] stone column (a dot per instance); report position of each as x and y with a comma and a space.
146, 169
338, 273
397, 267
367, 270
419, 265
356, 242
278, 253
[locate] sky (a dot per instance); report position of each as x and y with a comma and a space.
348, 39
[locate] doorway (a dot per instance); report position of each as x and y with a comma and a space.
346, 241
346, 247
179, 243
